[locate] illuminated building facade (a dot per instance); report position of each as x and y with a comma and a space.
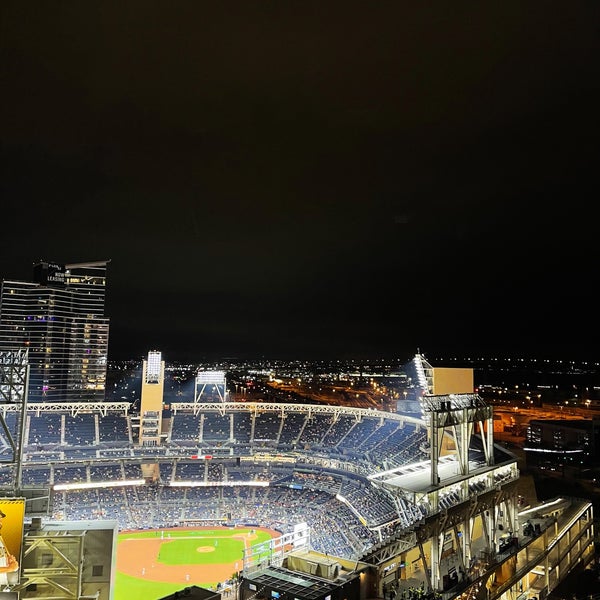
59, 318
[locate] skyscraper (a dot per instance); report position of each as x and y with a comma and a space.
59, 317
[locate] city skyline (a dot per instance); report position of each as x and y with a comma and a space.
310, 182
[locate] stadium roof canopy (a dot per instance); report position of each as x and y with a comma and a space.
297, 585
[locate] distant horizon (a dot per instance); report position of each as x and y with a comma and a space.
514, 359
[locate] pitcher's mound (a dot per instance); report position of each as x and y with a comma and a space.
205, 549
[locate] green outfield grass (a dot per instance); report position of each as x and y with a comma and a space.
184, 551
131, 588
181, 549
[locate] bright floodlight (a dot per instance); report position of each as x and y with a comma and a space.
154, 367
210, 377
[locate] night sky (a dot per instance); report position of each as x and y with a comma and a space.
311, 179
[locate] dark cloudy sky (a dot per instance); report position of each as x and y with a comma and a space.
310, 179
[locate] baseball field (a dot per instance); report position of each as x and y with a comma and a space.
156, 563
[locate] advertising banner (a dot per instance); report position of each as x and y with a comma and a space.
12, 514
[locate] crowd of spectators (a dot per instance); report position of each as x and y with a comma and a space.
374, 441
320, 479
335, 528
345, 512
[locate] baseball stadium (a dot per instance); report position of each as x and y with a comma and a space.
270, 500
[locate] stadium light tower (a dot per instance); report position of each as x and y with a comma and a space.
212, 385
153, 383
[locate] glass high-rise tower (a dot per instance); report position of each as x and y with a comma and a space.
59, 317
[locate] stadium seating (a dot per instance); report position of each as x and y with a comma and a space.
314, 462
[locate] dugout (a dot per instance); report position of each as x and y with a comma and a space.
277, 583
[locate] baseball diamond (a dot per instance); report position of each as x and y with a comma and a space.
163, 561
